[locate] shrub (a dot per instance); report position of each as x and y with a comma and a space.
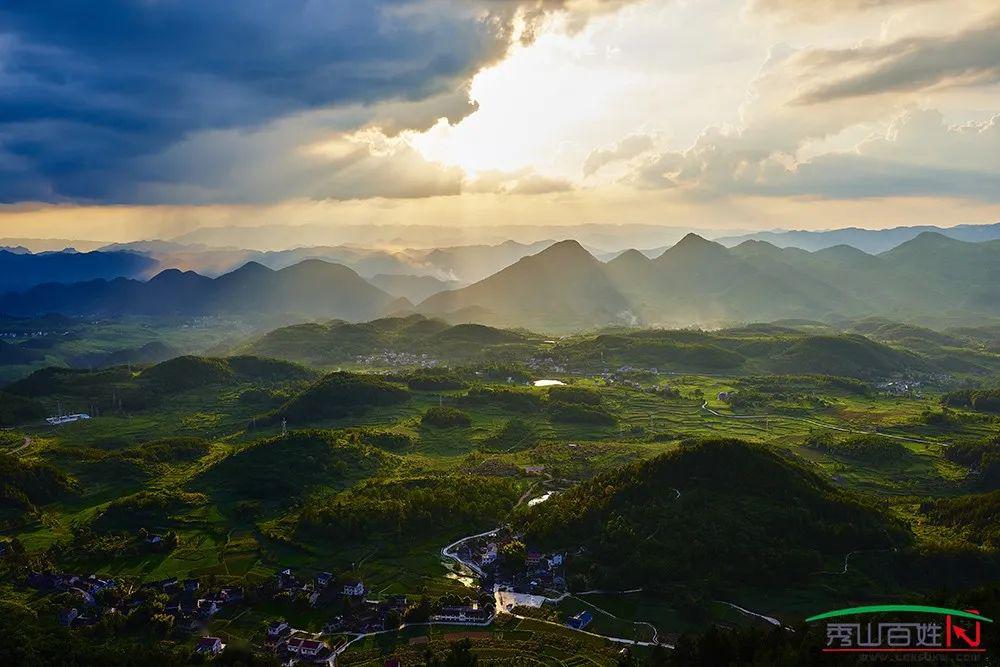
574, 395
576, 413
392, 440
872, 448
430, 379
518, 400
513, 434
337, 395
445, 417
183, 373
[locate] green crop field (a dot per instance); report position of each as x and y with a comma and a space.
201, 453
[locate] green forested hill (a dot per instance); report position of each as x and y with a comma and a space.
709, 515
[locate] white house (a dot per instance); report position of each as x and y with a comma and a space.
354, 588
305, 647
461, 614
209, 646
66, 419
277, 629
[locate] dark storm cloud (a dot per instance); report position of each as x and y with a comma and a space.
89, 88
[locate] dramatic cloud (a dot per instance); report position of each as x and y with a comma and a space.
917, 156
87, 89
822, 9
468, 111
969, 57
627, 148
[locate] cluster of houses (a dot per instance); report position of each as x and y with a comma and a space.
390, 359
545, 364
357, 615
85, 588
190, 606
31, 334
899, 387
625, 375
542, 573
59, 420
293, 646
469, 613
322, 587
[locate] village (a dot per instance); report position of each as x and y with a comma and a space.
510, 578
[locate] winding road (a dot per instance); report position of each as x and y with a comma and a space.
847, 558
25, 445
450, 552
770, 619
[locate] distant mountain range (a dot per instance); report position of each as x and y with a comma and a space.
309, 289
463, 264
702, 282
20, 269
869, 240
930, 279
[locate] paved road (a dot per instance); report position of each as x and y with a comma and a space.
770, 619
847, 558
25, 445
451, 552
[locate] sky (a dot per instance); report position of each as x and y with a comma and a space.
130, 119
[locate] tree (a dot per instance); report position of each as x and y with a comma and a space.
460, 655
513, 554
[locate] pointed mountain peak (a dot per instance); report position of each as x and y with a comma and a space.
925, 242
758, 244
929, 238
317, 267
251, 268
841, 251
692, 244
174, 274
693, 240
630, 257
565, 250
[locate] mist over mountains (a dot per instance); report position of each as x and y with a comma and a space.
697, 281
311, 288
20, 269
930, 278
868, 240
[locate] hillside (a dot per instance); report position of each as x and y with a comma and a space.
338, 395
26, 484
713, 515
119, 388
337, 342
562, 287
759, 348
318, 457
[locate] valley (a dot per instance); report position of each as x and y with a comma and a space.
232, 470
